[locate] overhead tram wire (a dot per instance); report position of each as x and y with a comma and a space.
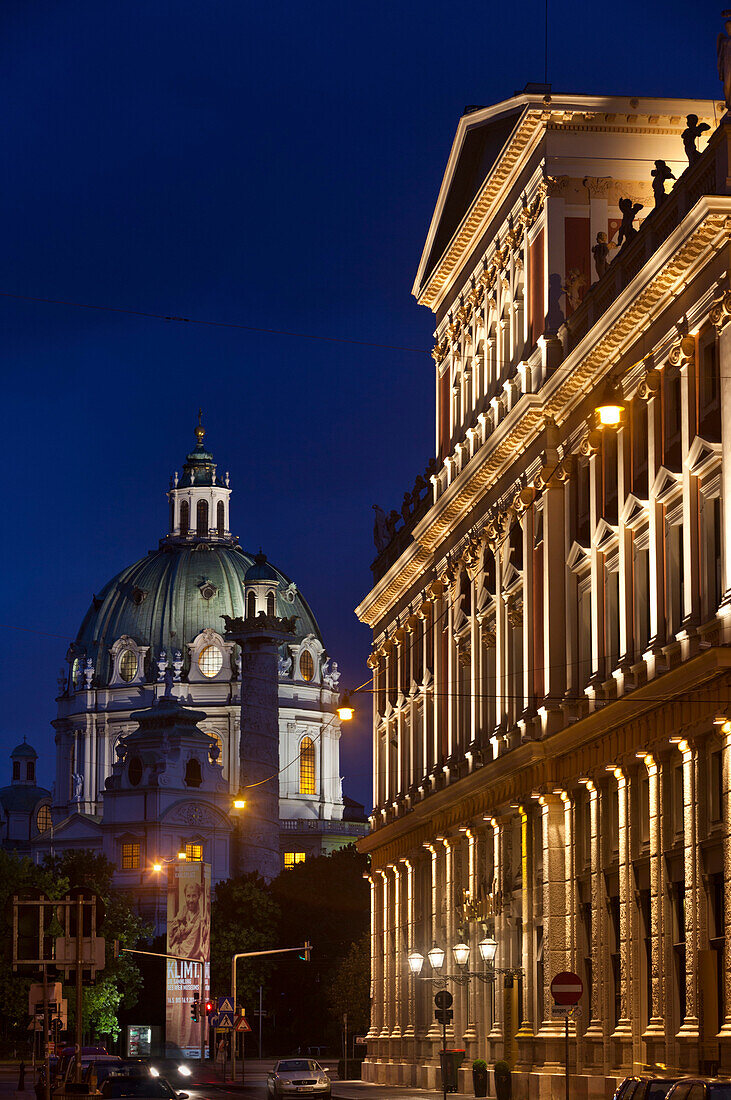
211, 324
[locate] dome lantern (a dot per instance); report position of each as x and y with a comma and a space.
199, 499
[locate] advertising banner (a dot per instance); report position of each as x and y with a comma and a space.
189, 936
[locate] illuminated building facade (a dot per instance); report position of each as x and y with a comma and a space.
551, 657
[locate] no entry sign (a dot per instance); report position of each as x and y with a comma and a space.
566, 988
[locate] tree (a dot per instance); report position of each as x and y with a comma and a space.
244, 917
350, 989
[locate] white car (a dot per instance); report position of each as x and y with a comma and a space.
298, 1075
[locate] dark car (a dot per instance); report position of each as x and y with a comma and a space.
645, 1088
140, 1088
697, 1088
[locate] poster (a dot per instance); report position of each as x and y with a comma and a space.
189, 937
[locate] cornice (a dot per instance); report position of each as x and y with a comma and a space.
673, 265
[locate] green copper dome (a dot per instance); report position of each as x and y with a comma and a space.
167, 598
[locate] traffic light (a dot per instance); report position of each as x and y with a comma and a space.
194, 1012
444, 1015
209, 1007
307, 948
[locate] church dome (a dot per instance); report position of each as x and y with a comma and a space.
166, 599
261, 570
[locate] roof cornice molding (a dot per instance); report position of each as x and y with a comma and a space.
613, 112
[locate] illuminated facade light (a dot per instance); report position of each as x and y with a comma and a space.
436, 957
415, 961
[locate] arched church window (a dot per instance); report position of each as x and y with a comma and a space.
251, 605
134, 771
307, 766
16, 769
43, 818
128, 665
30, 771
210, 661
220, 519
202, 517
307, 665
172, 514
270, 604
184, 517
193, 774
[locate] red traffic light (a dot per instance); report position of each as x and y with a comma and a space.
209, 1007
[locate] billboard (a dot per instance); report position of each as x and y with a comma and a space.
189, 937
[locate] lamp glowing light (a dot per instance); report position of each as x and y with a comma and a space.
239, 803
610, 416
436, 957
157, 866
182, 856
488, 949
461, 954
345, 710
415, 961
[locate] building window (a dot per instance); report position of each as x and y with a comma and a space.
194, 853
201, 525
251, 606
184, 517
134, 771
270, 604
130, 857
291, 858
43, 819
307, 665
128, 665
210, 661
220, 522
30, 771
307, 766
193, 775
16, 769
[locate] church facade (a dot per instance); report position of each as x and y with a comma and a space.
551, 662
155, 634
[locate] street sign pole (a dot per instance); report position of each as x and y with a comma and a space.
46, 1050
566, 990
566, 1037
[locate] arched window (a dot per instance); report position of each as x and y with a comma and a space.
307, 665
210, 661
43, 818
184, 517
128, 665
16, 769
251, 606
134, 771
220, 520
307, 766
193, 775
30, 771
271, 608
172, 515
202, 518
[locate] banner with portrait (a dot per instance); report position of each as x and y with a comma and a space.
189, 937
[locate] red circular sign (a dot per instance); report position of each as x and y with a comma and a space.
566, 988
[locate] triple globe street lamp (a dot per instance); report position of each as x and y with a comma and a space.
461, 952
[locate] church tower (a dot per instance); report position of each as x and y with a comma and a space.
199, 500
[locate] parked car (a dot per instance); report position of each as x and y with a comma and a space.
644, 1088
67, 1056
700, 1088
297, 1075
140, 1088
102, 1064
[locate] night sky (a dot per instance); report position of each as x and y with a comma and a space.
273, 165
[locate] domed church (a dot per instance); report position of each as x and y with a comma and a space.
156, 631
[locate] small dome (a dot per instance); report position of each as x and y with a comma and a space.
24, 752
260, 570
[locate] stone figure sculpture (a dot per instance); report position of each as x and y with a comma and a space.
573, 286
406, 507
380, 535
600, 252
690, 135
661, 173
627, 230
88, 673
162, 664
391, 523
723, 53
285, 665
77, 780
177, 665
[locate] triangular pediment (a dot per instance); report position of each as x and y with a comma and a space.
478, 143
578, 556
605, 536
634, 511
666, 485
703, 456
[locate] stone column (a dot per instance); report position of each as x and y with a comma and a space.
595, 1036
470, 1033
396, 952
555, 918
655, 525
434, 1032
725, 977
496, 1022
526, 1033
387, 963
683, 356
258, 838
554, 603
410, 1012
622, 1035
654, 1034
690, 1028
376, 963
724, 358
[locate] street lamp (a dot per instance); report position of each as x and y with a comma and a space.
346, 709
436, 957
461, 954
415, 961
488, 949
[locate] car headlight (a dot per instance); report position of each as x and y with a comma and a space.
285, 1081
184, 1070
155, 1072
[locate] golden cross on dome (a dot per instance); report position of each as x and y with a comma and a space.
200, 431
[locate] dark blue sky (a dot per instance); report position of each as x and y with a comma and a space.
274, 165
